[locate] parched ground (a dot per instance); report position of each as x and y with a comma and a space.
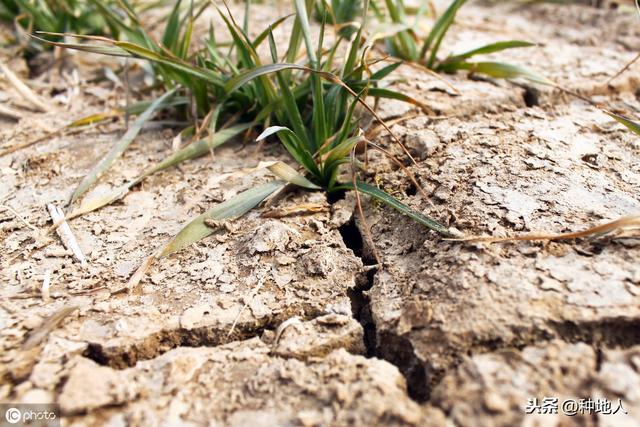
281, 320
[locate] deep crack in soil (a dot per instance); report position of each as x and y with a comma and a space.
155, 345
396, 350
122, 357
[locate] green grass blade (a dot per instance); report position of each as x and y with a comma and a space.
240, 80
235, 207
93, 48
498, 70
318, 112
319, 118
247, 11
439, 30
404, 41
264, 34
391, 201
632, 125
385, 71
348, 122
295, 41
173, 62
172, 30
303, 17
293, 113
490, 48
340, 152
124, 48
288, 98
294, 145
183, 48
273, 48
352, 57
120, 146
377, 92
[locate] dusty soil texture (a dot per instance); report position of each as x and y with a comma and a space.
487, 389
511, 166
284, 320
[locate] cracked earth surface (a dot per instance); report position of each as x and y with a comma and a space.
443, 334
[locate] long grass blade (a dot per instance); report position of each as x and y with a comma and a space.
490, 48
439, 30
377, 92
633, 126
303, 17
498, 70
172, 30
128, 49
120, 146
240, 80
235, 207
628, 223
391, 201
92, 48
191, 151
173, 62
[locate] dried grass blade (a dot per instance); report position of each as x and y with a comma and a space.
94, 118
49, 324
625, 68
65, 233
289, 174
24, 90
621, 224
10, 113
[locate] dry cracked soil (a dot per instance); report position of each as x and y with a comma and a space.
283, 319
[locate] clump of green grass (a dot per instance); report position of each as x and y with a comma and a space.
310, 105
319, 138
401, 40
56, 16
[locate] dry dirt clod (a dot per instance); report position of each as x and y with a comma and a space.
238, 383
319, 337
226, 225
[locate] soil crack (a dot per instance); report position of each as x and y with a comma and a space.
155, 345
396, 350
